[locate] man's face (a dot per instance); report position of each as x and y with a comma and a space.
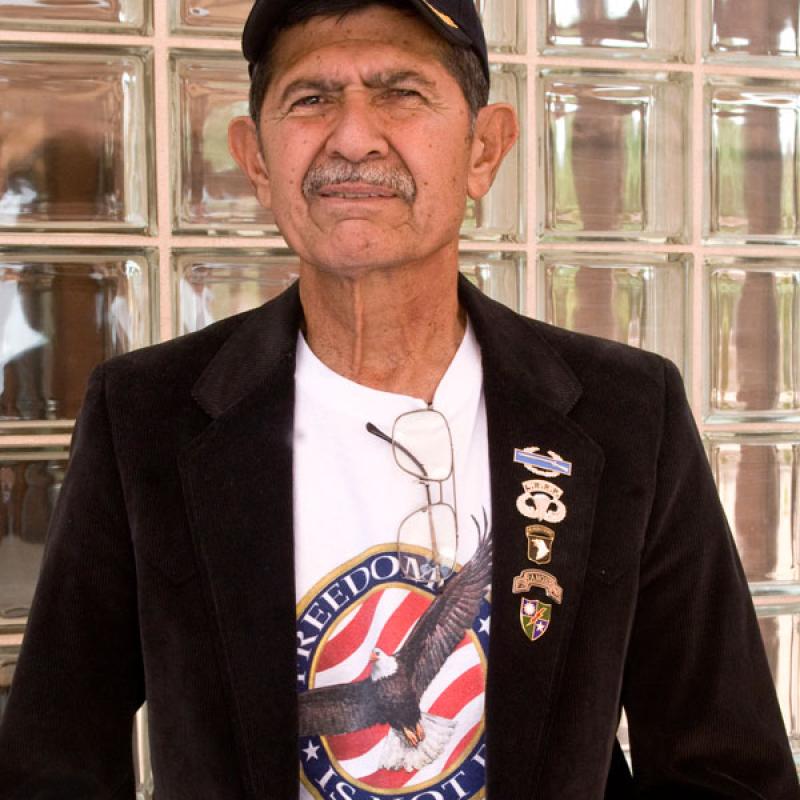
366, 142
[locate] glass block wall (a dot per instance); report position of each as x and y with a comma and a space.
652, 199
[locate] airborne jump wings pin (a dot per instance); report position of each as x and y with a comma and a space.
541, 500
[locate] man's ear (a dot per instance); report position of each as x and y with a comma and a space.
496, 130
245, 147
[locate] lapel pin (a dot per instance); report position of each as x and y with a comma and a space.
546, 466
540, 543
538, 579
541, 500
534, 616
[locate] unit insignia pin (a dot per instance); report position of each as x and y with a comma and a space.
541, 500
538, 579
534, 616
540, 543
547, 466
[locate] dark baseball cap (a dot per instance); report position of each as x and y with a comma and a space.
455, 20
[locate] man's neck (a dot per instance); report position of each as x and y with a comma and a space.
396, 330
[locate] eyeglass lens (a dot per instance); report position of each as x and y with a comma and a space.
422, 445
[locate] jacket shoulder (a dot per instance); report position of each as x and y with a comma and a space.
159, 372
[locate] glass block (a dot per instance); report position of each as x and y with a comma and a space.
498, 215
211, 193
614, 150
61, 313
8, 661
128, 15
74, 133
754, 329
753, 161
758, 477
226, 17
754, 31
29, 485
502, 22
780, 630
653, 29
501, 276
640, 300
142, 763
212, 285
223, 17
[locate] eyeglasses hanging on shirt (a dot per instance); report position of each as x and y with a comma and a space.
427, 539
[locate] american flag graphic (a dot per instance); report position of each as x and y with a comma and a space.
383, 618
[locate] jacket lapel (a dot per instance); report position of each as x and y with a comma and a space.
237, 478
529, 391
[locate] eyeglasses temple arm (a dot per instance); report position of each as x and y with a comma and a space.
375, 431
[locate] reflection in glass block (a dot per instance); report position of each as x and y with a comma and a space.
501, 276
780, 630
631, 28
754, 326
29, 485
758, 477
60, 315
500, 23
614, 150
211, 286
754, 161
74, 140
83, 14
498, 215
638, 300
748, 28
210, 16
226, 17
211, 192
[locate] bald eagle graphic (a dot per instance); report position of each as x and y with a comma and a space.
391, 693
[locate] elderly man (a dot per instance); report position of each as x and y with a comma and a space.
382, 531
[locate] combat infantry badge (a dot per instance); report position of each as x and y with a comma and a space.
534, 616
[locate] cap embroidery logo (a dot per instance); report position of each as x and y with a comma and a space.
442, 16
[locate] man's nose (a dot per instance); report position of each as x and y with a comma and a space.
358, 133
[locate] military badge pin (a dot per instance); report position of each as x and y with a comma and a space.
546, 466
538, 579
541, 500
540, 543
534, 616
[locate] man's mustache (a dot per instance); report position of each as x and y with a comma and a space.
397, 180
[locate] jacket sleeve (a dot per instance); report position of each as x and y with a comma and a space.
67, 728
702, 712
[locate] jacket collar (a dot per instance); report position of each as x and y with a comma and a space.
237, 477
265, 342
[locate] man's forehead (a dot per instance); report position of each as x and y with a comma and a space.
388, 35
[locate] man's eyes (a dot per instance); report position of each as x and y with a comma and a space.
313, 101
307, 102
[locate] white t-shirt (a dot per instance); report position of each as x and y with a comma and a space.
356, 608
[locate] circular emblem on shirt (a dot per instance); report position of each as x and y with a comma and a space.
357, 636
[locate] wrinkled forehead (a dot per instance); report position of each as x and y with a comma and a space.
390, 38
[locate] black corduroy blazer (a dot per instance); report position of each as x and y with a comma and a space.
168, 575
